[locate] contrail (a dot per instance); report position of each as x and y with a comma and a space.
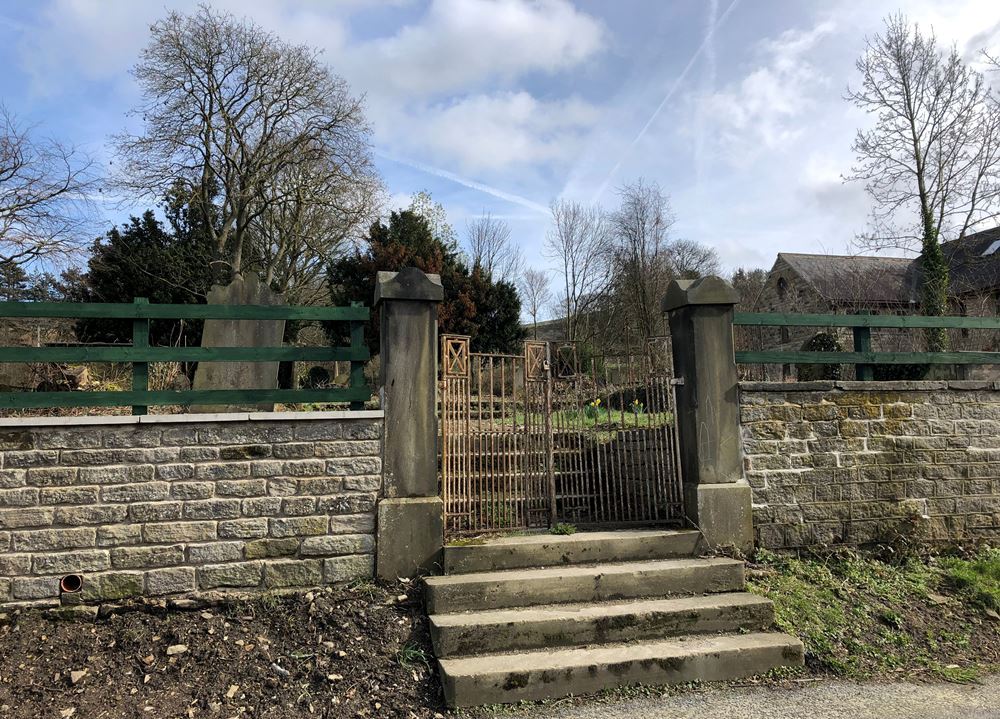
466, 182
705, 43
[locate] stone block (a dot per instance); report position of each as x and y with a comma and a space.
10, 478
352, 466
721, 511
243, 528
88, 560
142, 557
175, 580
111, 586
68, 495
154, 511
349, 568
361, 448
261, 506
264, 548
192, 490
236, 575
30, 458
298, 526
298, 506
245, 451
12, 564
131, 437
35, 587
175, 471
410, 536
368, 483
216, 553
222, 470
293, 573
172, 532
212, 509
119, 534
51, 476
353, 524
241, 488
117, 474
336, 545
294, 450
43, 540
93, 514
20, 497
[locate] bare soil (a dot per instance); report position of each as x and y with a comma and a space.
360, 651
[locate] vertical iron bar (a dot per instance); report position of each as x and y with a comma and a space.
140, 370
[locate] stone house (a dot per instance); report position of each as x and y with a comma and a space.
840, 284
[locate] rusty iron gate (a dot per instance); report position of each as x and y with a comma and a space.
546, 437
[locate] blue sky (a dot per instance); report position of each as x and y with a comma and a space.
735, 108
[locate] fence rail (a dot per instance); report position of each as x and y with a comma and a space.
861, 325
139, 354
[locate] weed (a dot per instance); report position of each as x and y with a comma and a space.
411, 655
562, 528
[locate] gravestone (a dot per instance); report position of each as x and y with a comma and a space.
243, 290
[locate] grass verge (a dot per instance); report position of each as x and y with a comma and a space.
862, 618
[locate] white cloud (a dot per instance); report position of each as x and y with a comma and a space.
503, 130
765, 109
460, 44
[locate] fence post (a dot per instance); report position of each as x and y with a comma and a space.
863, 343
140, 370
717, 500
357, 378
410, 516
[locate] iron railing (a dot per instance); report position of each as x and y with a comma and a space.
139, 354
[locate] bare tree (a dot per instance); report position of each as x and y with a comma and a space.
44, 203
690, 260
313, 216
641, 252
491, 248
930, 162
579, 241
232, 113
535, 295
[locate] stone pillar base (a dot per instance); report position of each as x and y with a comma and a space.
410, 537
723, 513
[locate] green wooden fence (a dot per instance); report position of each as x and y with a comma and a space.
861, 325
140, 354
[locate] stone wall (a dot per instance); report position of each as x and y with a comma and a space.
844, 462
162, 505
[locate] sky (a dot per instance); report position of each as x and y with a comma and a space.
734, 107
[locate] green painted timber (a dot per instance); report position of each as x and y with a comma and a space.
140, 354
140, 370
99, 310
26, 400
777, 319
779, 357
126, 353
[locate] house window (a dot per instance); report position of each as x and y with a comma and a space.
782, 288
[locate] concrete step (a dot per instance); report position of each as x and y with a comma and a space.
579, 584
561, 625
508, 678
547, 550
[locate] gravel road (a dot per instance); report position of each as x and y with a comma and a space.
815, 700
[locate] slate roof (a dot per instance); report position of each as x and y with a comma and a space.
856, 279
974, 262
